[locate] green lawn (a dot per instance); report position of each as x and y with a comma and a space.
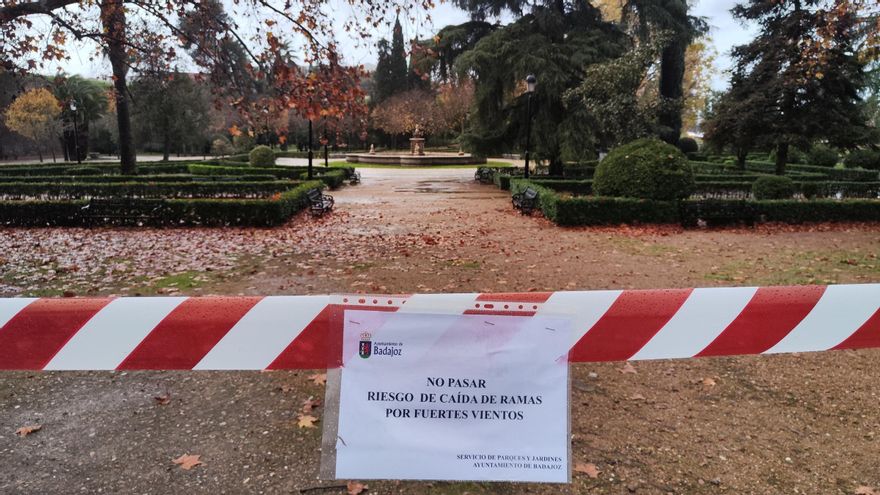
383, 165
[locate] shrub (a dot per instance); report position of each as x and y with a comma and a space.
262, 156
646, 169
773, 187
243, 143
84, 171
795, 156
824, 156
222, 147
688, 145
863, 159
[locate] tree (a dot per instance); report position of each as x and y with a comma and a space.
789, 89
391, 76
611, 101
556, 42
90, 98
696, 85
34, 115
153, 35
172, 108
412, 112
453, 103
669, 21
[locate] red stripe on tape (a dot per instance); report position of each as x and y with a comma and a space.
868, 335
771, 314
31, 338
633, 319
319, 345
188, 333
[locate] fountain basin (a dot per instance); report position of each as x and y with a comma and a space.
408, 159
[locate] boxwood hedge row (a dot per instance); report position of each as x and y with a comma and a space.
207, 212
75, 190
593, 210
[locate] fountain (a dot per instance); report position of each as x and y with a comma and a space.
416, 156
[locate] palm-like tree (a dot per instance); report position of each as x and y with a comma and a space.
90, 98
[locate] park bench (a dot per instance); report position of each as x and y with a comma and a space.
355, 178
484, 175
526, 201
122, 211
319, 203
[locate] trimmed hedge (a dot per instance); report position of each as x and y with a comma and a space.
576, 187
785, 211
137, 178
279, 172
106, 168
593, 210
76, 190
206, 212
597, 210
848, 174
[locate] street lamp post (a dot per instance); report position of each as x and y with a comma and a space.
531, 82
324, 141
310, 150
75, 132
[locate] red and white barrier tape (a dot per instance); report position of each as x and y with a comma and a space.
303, 332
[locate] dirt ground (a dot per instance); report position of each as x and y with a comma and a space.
801, 424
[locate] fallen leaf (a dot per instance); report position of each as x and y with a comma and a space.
355, 488
187, 461
286, 388
162, 400
309, 404
587, 468
306, 421
708, 383
27, 430
637, 397
319, 378
628, 369
865, 490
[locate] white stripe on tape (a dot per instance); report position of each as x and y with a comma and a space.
702, 317
263, 333
585, 308
841, 310
11, 307
110, 336
444, 304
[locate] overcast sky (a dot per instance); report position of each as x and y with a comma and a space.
725, 32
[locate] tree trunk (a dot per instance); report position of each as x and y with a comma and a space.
741, 155
781, 157
556, 167
64, 146
671, 78
166, 140
113, 19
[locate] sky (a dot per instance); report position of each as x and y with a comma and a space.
726, 32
